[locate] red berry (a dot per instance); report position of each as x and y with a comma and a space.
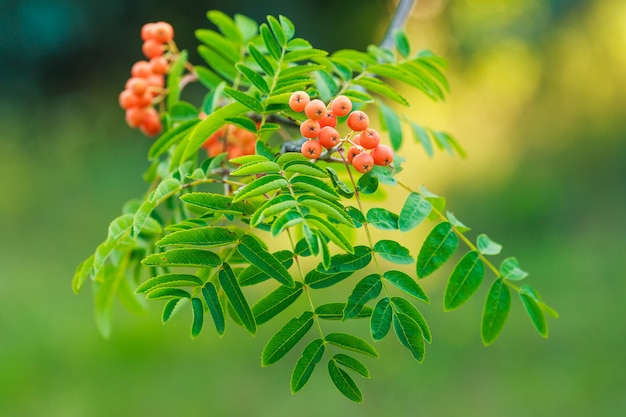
315, 109
369, 139
134, 116
341, 105
298, 101
151, 123
137, 85
159, 65
329, 137
311, 149
329, 119
358, 121
128, 100
163, 32
147, 31
145, 100
141, 69
352, 152
363, 162
152, 48
382, 154
155, 80
310, 128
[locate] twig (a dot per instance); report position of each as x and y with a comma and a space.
397, 21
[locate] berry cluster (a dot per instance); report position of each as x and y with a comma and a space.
319, 128
232, 139
147, 79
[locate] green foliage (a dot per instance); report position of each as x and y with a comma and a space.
199, 250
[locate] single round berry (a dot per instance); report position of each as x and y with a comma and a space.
315, 109
328, 119
358, 121
163, 32
138, 86
159, 65
151, 123
369, 138
299, 100
352, 152
145, 100
147, 31
135, 116
382, 154
141, 69
311, 149
310, 128
152, 48
128, 99
363, 162
329, 137
341, 106
156, 80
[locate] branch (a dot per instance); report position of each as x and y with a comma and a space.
397, 21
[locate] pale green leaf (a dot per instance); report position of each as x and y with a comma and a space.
487, 246
414, 211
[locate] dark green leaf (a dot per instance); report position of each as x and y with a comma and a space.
236, 298
365, 290
416, 208
316, 279
212, 300
254, 77
351, 342
198, 316
171, 307
183, 257
253, 275
277, 29
202, 236
244, 123
344, 382
464, 281
367, 183
509, 268
341, 186
402, 42
349, 262
407, 284
382, 219
392, 251
270, 42
265, 63
268, 307
437, 249
357, 217
410, 334
334, 311
404, 306
250, 249
532, 305
287, 219
286, 338
311, 356
380, 322
260, 186
495, 312
487, 246
167, 292
245, 99
352, 363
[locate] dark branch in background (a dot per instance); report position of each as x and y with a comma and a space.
397, 21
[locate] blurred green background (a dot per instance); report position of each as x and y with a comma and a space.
538, 100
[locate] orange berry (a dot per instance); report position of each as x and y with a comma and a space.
135, 116
329, 137
151, 123
159, 65
363, 162
147, 31
127, 100
310, 128
358, 121
328, 119
155, 80
141, 69
152, 48
311, 149
145, 100
352, 152
369, 138
137, 85
163, 32
382, 154
299, 100
341, 106
315, 109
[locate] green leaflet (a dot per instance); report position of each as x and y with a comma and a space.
379, 87
169, 280
104, 290
344, 382
392, 251
278, 300
352, 363
212, 300
382, 219
227, 48
249, 28
201, 236
317, 279
464, 281
167, 187
83, 271
380, 322
273, 207
311, 355
367, 183
315, 186
409, 333
402, 43
407, 284
255, 79
487, 246
304, 55
327, 229
341, 186
334, 311
247, 100
253, 252
306, 168
509, 268
198, 317
330, 208
209, 79
236, 298
287, 219
226, 25
183, 257
218, 203
348, 262
365, 290
414, 211
286, 338
244, 123
248, 159
421, 135
142, 216
532, 305
357, 217
392, 125
172, 307
253, 275
287, 26
496, 311
254, 168
351, 342
437, 249
163, 293
218, 63
173, 79
267, 64
260, 186
456, 223
270, 41
438, 202
404, 306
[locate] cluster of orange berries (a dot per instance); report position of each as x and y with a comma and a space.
234, 140
147, 79
319, 128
